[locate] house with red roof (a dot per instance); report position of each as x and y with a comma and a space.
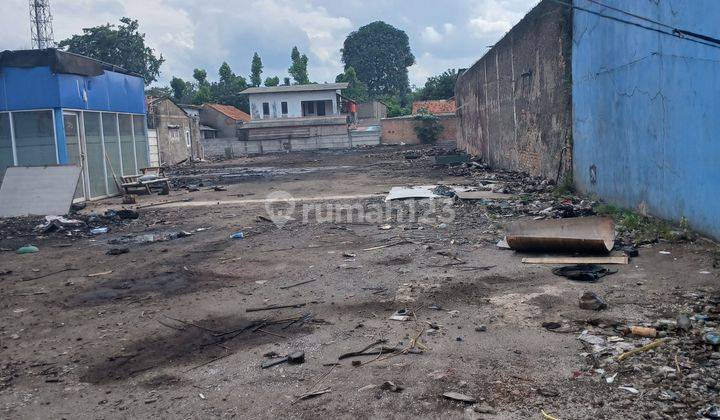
225, 119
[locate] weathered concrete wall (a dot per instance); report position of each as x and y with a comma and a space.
172, 126
402, 129
514, 104
646, 111
289, 135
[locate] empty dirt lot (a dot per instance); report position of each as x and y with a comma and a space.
164, 329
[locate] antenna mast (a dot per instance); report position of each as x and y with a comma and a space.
41, 24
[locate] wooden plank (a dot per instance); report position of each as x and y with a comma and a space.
619, 259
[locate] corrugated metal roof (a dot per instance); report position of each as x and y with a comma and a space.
296, 88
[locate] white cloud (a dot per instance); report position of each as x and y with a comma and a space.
191, 33
492, 18
431, 35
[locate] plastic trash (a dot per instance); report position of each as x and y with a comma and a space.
238, 235
712, 338
27, 249
99, 231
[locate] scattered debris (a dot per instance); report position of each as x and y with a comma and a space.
117, 251
653, 345
456, 396
273, 307
401, 315
99, 230
629, 389
592, 302
577, 260
102, 273
642, 331
27, 249
294, 358
580, 234
296, 284
313, 394
391, 386
583, 272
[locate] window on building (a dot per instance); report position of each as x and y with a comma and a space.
284, 108
6, 151
174, 134
141, 143
34, 138
266, 109
310, 107
127, 146
187, 139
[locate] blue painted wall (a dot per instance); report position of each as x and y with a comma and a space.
38, 87
646, 110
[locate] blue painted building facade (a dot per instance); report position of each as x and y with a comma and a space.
646, 109
59, 108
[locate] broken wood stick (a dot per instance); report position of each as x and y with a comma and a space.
297, 284
388, 245
193, 325
312, 395
50, 274
576, 260
273, 307
100, 274
631, 353
362, 352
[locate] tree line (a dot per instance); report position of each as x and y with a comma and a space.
376, 58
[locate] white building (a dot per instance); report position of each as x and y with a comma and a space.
295, 101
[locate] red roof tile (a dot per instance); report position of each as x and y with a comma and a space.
230, 111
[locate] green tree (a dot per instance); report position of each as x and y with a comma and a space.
256, 69
356, 90
298, 69
272, 81
159, 92
201, 76
286, 81
181, 89
225, 72
227, 90
438, 87
380, 54
429, 128
122, 45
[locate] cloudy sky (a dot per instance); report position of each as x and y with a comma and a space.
191, 33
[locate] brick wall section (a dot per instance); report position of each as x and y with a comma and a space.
515, 103
439, 106
402, 129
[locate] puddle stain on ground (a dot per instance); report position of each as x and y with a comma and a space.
163, 284
230, 175
188, 346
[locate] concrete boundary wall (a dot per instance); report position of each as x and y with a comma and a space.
402, 129
514, 104
646, 111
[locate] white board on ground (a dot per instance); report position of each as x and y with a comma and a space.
38, 190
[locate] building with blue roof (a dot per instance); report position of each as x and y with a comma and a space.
59, 108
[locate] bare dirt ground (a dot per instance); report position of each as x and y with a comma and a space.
163, 330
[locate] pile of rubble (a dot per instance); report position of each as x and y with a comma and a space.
669, 366
76, 225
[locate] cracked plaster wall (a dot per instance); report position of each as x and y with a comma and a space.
646, 110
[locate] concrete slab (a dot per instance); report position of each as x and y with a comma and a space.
38, 190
